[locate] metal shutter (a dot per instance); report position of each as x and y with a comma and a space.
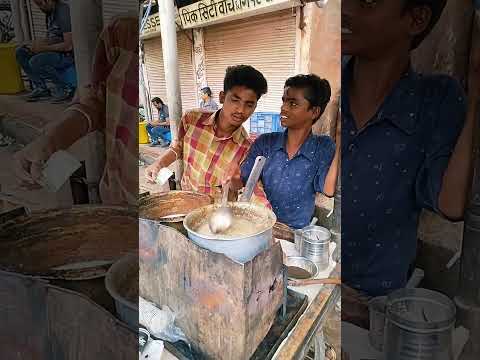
155, 71
39, 25
266, 42
113, 8
39, 20
156, 74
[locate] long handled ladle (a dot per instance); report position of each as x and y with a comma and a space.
222, 218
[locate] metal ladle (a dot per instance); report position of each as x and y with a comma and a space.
222, 218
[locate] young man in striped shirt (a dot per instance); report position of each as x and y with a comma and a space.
210, 142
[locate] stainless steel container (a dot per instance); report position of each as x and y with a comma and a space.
122, 284
419, 325
241, 248
376, 309
313, 243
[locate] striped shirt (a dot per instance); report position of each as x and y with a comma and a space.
207, 158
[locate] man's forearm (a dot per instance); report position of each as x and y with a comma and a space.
73, 126
332, 175
168, 158
457, 179
60, 47
159, 123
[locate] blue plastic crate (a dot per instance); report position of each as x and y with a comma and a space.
265, 122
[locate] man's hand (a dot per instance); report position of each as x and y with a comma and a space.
39, 46
25, 44
233, 175
354, 307
28, 163
151, 172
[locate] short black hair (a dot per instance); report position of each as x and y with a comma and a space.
245, 75
316, 90
156, 99
436, 6
207, 91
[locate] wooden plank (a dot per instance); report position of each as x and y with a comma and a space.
309, 323
224, 308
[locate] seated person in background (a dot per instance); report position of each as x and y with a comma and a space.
46, 59
159, 130
207, 102
209, 142
299, 164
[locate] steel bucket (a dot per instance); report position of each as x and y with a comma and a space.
419, 325
240, 249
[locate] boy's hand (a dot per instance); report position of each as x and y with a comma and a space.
233, 175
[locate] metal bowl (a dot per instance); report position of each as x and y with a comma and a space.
302, 263
122, 285
239, 248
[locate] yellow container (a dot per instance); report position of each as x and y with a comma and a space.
142, 132
11, 82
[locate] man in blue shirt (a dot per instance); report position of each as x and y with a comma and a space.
46, 59
405, 143
207, 102
299, 164
159, 130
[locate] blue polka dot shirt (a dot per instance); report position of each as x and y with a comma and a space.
391, 169
291, 185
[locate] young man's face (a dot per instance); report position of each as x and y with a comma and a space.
370, 27
239, 103
296, 111
46, 6
204, 96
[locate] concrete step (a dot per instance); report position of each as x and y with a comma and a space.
25, 121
